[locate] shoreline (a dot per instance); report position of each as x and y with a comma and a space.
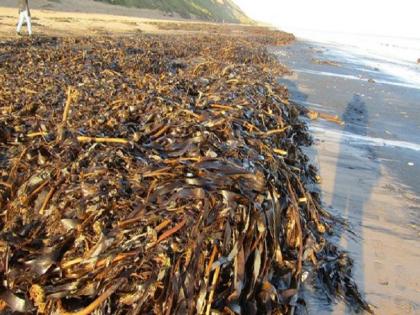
365, 179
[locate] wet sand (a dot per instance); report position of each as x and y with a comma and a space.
370, 170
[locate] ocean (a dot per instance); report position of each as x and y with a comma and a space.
395, 56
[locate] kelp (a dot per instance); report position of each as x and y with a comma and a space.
157, 175
259, 34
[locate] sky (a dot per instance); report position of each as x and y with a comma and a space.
399, 18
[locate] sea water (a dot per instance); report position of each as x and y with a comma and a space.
395, 56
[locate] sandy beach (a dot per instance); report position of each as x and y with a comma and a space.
369, 168
86, 18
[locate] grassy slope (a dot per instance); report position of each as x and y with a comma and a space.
213, 10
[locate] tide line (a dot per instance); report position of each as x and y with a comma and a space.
363, 140
353, 77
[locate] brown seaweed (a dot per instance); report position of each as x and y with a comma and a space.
157, 175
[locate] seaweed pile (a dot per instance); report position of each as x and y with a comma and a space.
259, 34
157, 175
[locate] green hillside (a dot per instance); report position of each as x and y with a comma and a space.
212, 10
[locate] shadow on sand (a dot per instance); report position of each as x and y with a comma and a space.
350, 193
352, 190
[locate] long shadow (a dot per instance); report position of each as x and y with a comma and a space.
352, 169
353, 185
351, 191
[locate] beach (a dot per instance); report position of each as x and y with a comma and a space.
85, 18
369, 166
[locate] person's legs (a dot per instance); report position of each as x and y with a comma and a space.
28, 22
20, 22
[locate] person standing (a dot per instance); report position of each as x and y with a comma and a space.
24, 14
